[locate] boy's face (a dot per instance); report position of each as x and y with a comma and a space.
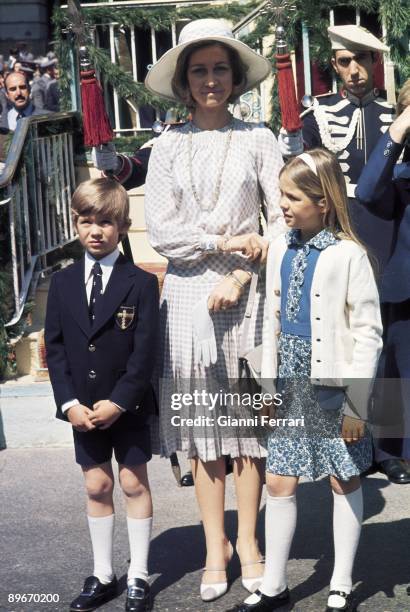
99, 235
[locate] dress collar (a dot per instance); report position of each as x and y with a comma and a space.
320, 241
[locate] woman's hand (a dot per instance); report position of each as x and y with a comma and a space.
401, 126
352, 429
226, 294
252, 245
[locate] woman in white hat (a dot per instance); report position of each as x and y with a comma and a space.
206, 183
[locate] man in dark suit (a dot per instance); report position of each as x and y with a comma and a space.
18, 97
101, 337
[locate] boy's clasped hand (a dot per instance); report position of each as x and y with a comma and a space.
103, 415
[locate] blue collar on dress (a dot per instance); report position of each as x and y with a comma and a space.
320, 241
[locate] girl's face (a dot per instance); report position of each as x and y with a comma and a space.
300, 212
209, 76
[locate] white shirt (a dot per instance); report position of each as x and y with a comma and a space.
107, 265
13, 114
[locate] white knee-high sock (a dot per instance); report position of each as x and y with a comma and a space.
280, 524
139, 535
102, 535
347, 523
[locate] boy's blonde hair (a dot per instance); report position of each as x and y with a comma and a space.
103, 197
329, 185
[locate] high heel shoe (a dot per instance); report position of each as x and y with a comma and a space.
213, 590
252, 583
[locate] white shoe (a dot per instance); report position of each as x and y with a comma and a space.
213, 590
252, 584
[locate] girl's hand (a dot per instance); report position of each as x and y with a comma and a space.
401, 126
225, 295
352, 429
252, 245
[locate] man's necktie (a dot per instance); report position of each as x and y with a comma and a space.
96, 292
20, 116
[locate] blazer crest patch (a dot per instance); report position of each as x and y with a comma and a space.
125, 316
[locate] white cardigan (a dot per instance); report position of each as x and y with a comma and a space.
345, 321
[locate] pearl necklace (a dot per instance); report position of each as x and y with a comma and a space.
217, 190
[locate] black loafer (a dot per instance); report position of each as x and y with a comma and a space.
187, 480
138, 596
265, 603
94, 594
396, 470
348, 606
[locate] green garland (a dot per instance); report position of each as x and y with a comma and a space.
395, 14
157, 18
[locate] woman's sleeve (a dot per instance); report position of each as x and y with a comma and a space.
171, 230
270, 162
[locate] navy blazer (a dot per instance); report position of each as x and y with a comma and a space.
104, 361
384, 187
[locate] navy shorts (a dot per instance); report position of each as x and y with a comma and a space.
128, 437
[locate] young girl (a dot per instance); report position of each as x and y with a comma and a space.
322, 326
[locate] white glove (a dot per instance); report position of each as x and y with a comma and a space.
104, 157
290, 143
204, 334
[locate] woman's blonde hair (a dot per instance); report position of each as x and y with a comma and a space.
403, 98
103, 197
329, 185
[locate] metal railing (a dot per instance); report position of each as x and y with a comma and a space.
36, 184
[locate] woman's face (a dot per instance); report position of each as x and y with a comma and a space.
209, 76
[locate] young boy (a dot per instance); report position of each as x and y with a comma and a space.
101, 336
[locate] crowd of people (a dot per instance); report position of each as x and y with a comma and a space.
331, 314
28, 86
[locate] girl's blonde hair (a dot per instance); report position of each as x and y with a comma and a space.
329, 185
403, 98
103, 197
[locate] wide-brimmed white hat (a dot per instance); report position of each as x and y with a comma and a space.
158, 79
354, 38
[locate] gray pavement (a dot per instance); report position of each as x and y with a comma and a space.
44, 542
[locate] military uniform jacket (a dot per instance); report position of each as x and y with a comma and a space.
384, 187
350, 127
114, 359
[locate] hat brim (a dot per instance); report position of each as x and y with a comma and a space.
159, 77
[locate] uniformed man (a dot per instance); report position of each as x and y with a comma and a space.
349, 123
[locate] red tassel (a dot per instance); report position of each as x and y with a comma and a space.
287, 96
97, 129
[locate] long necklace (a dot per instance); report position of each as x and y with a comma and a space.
217, 190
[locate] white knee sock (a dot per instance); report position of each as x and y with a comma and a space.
280, 524
102, 535
139, 535
347, 523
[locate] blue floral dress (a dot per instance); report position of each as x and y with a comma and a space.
316, 448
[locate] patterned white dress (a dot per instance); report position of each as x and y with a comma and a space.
179, 229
